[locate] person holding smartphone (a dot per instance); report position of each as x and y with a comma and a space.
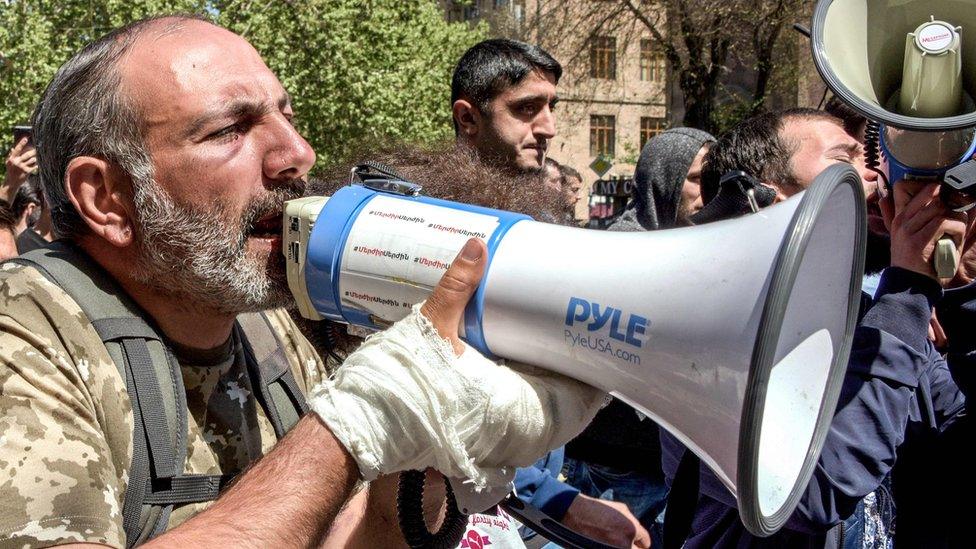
21, 162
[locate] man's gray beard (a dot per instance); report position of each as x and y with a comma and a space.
197, 256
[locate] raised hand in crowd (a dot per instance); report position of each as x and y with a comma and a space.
21, 162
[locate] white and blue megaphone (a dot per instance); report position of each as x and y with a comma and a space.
734, 336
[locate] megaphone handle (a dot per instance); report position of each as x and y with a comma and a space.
945, 258
547, 526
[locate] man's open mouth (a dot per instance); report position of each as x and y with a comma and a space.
268, 226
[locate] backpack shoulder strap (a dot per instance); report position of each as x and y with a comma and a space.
271, 375
153, 382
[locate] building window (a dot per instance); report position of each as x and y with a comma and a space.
653, 64
603, 133
518, 10
603, 57
651, 127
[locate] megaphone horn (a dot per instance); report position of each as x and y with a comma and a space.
904, 63
734, 335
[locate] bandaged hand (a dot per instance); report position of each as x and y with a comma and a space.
415, 396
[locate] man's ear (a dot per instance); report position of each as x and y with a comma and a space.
26, 214
467, 117
101, 193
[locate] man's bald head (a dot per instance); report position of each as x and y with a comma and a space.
85, 111
175, 62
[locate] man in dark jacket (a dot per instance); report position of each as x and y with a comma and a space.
897, 387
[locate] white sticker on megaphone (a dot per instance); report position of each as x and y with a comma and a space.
935, 37
398, 249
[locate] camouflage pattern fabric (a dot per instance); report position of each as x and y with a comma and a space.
66, 419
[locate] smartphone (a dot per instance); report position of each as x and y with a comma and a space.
21, 132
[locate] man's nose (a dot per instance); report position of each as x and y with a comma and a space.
545, 124
289, 156
869, 179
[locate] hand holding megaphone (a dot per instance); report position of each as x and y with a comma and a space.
919, 223
967, 260
415, 396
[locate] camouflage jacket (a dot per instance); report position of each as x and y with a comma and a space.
66, 420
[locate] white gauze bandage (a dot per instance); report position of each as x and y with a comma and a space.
405, 401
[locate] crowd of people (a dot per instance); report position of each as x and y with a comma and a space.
155, 390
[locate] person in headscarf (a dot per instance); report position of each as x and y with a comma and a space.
667, 181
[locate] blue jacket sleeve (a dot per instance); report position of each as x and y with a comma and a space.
895, 382
539, 486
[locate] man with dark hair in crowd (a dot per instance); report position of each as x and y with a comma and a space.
20, 190
8, 244
564, 182
33, 219
26, 206
502, 96
790, 148
898, 389
166, 149
572, 184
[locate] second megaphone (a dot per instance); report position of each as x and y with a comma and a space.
734, 336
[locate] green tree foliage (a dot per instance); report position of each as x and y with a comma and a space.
357, 70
